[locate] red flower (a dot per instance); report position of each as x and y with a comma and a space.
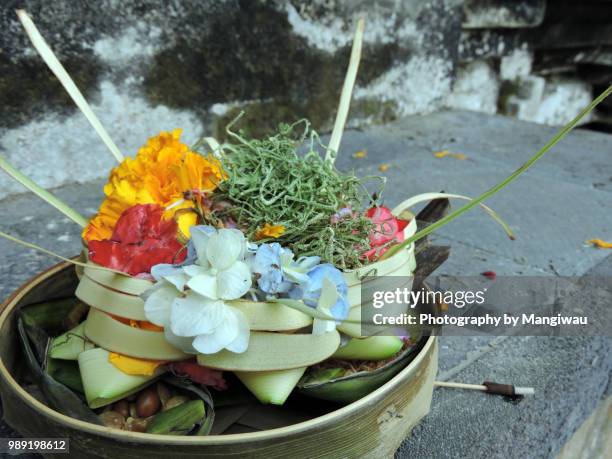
388, 229
199, 374
141, 239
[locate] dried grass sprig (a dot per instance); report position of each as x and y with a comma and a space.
269, 182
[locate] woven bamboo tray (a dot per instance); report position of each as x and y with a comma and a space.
374, 426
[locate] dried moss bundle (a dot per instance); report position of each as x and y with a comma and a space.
270, 183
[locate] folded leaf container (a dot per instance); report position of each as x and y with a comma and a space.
373, 426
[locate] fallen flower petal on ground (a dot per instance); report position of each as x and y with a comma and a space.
600, 244
445, 153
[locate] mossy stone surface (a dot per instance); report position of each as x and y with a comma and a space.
252, 54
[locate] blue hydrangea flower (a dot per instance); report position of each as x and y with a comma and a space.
278, 272
310, 291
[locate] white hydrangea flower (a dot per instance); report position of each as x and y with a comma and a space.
189, 301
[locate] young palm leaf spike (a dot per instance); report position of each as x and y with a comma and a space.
487, 194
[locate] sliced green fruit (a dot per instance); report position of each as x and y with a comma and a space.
372, 348
104, 383
271, 386
69, 345
271, 316
331, 384
125, 284
275, 351
111, 301
115, 336
179, 420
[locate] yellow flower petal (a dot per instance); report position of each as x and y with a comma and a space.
161, 173
133, 366
600, 244
185, 222
444, 153
269, 231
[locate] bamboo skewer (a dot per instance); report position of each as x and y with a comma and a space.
347, 92
29, 245
489, 387
42, 193
60, 72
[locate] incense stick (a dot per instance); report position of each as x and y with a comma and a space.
347, 91
489, 387
60, 72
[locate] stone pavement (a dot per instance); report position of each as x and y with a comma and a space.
563, 201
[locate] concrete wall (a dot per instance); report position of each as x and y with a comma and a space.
149, 65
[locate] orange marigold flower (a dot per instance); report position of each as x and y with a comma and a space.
162, 171
269, 231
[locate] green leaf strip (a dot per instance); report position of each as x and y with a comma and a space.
487, 194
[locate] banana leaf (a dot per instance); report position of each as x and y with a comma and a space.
235, 394
428, 260
330, 384
433, 211
34, 341
65, 372
204, 427
50, 316
227, 416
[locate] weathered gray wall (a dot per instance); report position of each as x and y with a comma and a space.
148, 65
152, 65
